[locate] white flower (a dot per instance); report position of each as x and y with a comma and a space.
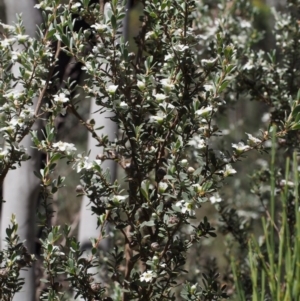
75, 6
160, 97
193, 288
117, 199
43, 6
187, 207
204, 111
82, 163
162, 187
167, 84
198, 143
252, 140
190, 169
141, 85
27, 114
166, 106
155, 259
240, 147
215, 199
111, 89
123, 105
15, 55
7, 27
61, 98
147, 276
24, 117
184, 162
7, 42
209, 63
16, 121
208, 88
228, 171
248, 66
169, 56
68, 148
97, 162
150, 35
22, 37
245, 24
287, 183
180, 47
12, 95
100, 27
158, 119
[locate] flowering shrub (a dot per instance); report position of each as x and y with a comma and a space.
192, 61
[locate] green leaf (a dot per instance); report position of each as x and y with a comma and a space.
50, 248
223, 86
295, 126
113, 21
50, 33
54, 189
298, 95
38, 175
295, 111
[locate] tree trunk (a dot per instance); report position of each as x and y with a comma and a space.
21, 187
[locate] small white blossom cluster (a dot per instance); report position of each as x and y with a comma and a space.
187, 207
209, 63
23, 119
160, 97
198, 143
59, 100
8, 42
167, 85
118, 199
240, 147
252, 141
205, 112
67, 148
18, 122
151, 35
147, 276
44, 5
111, 89
83, 163
158, 119
162, 187
228, 170
215, 198
100, 28
19, 151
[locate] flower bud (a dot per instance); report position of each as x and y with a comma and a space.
190, 169
155, 246
184, 162
79, 189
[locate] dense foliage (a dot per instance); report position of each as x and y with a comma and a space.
194, 60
